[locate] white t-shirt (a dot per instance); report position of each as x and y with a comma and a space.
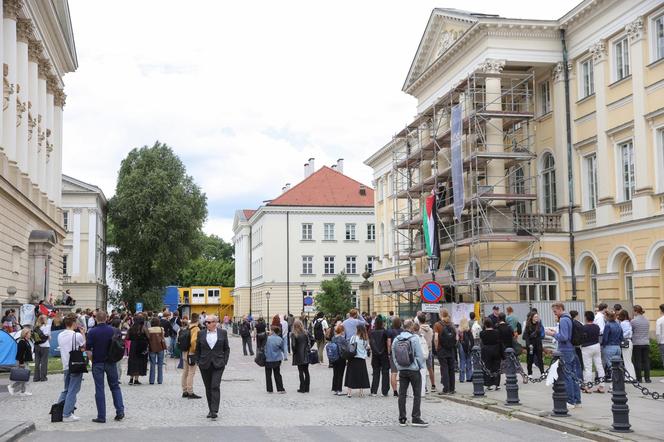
46, 329
66, 342
91, 322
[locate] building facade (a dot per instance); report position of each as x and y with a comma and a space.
37, 50
84, 210
543, 216
313, 231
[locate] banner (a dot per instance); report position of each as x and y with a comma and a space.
457, 161
430, 228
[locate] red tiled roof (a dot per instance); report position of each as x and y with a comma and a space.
248, 213
326, 187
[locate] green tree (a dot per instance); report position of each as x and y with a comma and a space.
335, 296
215, 266
157, 215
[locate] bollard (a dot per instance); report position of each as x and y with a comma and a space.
478, 374
511, 384
559, 390
620, 409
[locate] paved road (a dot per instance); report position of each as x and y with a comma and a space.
247, 411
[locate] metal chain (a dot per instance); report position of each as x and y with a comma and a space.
644, 390
488, 372
580, 382
519, 368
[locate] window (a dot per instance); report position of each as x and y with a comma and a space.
354, 299
65, 220
307, 265
587, 78
350, 232
185, 296
621, 56
546, 289
658, 37
593, 284
629, 281
549, 183
307, 232
328, 232
371, 232
65, 269
518, 182
370, 260
379, 189
627, 170
329, 265
351, 265
213, 296
198, 296
544, 98
591, 181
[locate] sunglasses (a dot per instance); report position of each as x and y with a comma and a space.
210, 322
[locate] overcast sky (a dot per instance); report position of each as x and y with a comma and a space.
246, 91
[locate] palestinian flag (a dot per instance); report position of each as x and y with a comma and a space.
430, 227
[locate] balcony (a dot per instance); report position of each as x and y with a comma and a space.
624, 209
589, 218
538, 223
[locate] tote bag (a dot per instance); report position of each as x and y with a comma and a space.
77, 362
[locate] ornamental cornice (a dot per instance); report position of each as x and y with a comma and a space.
77, 210
7, 87
10, 8
24, 29
635, 30
35, 50
59, 98
51, 84
598, 51
558, 72
492, 66
44, 68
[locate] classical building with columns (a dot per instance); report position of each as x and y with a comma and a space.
37, 50
557, 192
84, 247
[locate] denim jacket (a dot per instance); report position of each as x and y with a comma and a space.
613, 333
275, 348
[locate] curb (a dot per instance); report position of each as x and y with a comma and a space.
13, 434
576, 428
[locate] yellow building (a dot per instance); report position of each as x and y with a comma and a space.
213, 300
525, 234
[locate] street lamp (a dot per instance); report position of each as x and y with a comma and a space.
303, 287
267, 298
433, 265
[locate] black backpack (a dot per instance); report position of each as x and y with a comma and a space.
319, 333
377, 341
116, 348
184, 339
447, 337
38, 337
578, 335
245, 329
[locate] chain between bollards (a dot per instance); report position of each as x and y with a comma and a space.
511, 383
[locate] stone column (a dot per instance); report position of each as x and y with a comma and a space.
59, 101
10, 10
35, 49
494, 127
643, 173
560, 138
24, 29
92, 244
43, 71
51, 85
76, 244
606, 192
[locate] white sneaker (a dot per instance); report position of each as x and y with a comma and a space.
10, 389
570, 406
662, 381
71, 418
26, 393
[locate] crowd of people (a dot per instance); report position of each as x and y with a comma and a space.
399, 351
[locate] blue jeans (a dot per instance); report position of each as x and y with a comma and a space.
465, 366
608, 352
157, 358
572, 365
111, 371
68, 395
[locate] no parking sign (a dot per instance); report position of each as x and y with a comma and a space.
431, 292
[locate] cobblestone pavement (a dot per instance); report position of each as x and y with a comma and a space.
245, 403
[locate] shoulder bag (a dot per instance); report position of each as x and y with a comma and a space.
77, 362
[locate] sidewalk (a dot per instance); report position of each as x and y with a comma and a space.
593, 419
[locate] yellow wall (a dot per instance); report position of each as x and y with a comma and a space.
210, 306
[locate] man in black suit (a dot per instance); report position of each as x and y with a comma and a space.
212, 353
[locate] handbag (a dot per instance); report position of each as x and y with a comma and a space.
313, 356
260, 358
57, 411
19, 374
77, 362
624, 343
191, 359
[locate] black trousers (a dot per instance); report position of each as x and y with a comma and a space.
413, 378
338, 368
534, 358
380, 365
246, 342
273, 367
212, 380
447, 372
579, 356
303, 372
641, 360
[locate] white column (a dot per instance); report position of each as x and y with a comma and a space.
92, 244
34, 54
604, 211
643, 171
59, 102
23, 30
494, 131
44, 68
76, 246
48, 140
10, 9
560, 135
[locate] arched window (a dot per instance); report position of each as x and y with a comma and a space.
549, 183
593, 284
629, 281
543, 288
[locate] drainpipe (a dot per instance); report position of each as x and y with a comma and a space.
288, 260
251, 282
570, 174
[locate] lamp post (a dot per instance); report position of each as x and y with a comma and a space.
433, 264
267, 298
303, 288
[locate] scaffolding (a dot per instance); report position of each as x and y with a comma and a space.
499, 176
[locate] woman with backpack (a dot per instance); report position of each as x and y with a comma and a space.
466, 342
357, 375
137, 364
380, 363
41, 337
275, 352
23, 355
300, 347
533, 336
492, 354
261, 333
333, 349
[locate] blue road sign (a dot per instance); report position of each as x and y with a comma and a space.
308, 300
139, 307
431, 292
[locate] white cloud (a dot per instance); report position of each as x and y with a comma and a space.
245, 92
